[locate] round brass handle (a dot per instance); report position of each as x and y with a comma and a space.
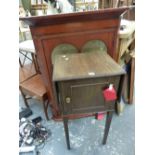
68, 99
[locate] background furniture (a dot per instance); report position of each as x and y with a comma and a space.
26, 4
128, 93
79, 86
38, 5
126, 37
126, 50
35, 7
85, 5
30, 82
114, 3
75, 29
27, 60
24, 31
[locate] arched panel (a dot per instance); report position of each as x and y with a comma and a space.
94, 45
63, 49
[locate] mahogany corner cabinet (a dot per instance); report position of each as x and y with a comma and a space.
62, 33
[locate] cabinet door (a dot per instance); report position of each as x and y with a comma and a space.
85, 96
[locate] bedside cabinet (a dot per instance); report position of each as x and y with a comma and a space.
79, 81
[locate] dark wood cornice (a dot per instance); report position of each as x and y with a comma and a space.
74, 17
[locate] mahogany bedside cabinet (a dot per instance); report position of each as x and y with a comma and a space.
79, 81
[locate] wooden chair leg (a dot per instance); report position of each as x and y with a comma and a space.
45, 106
24, 97
132, 81
20, 63
65, 121
35, 62
107, 126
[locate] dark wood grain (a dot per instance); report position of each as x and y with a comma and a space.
86, 95
85, 65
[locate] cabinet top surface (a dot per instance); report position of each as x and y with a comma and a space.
85, 65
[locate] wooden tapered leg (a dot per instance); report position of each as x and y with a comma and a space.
107, 126
65, 121
45, 105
